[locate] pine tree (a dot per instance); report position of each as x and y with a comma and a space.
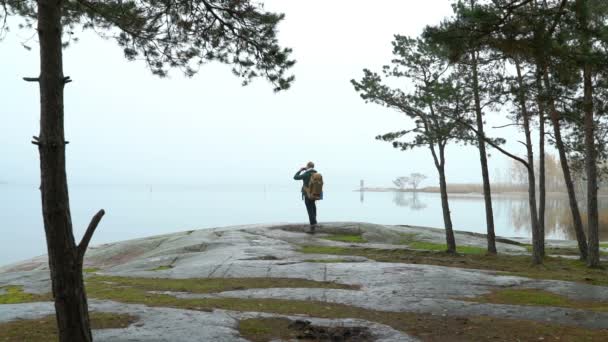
433, 104
166, 34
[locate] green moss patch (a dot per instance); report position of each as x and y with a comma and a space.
45, 329
456, 329
208, 285
553, 267
570, 251
536, 297
346, 238
555, 250
91, 270
135, 295
470, 250
15, 295
426, 327
430, 246
433, 328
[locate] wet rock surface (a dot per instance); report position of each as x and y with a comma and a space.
272, 251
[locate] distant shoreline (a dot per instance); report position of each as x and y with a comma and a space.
433, 190
459, 193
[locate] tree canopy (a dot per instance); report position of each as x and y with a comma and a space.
178, 34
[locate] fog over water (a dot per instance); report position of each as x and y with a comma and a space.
126, 126
141, 211
163, 155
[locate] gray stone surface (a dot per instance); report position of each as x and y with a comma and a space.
173, 325
272, 251
32, 281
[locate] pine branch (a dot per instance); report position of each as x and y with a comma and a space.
493, 144
84, 243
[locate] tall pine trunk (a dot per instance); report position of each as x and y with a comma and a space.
65, 261
593, 257
542, 190
559, 144
537, 249
487, 192
445, 205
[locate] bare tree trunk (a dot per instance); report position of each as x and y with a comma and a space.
593, 257
542, 191
65, 257
559, 143
537, 249
487, 193
445, 204
443, 189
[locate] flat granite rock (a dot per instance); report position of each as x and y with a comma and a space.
272, 251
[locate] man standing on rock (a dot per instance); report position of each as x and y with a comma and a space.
305, 174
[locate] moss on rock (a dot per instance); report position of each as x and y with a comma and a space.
45, 329
553, 267
536, 297
14, 294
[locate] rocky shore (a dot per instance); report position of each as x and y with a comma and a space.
390, 281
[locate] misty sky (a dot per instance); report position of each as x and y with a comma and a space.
126, 126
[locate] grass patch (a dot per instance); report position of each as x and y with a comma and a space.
570, 251
430, 246
91, 270
470, 250
604, 245
427, 327
209, 285
432, 328
137, 291
161, 268
553, 267
535, 297
351, 238
495, 329
45, 329
15, 295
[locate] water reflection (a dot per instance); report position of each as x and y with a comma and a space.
410, 200
511, 213
558, 219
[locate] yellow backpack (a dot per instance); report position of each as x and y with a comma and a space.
314, 191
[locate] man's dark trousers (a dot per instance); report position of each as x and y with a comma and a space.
311, 208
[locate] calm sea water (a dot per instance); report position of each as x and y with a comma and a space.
140, 211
